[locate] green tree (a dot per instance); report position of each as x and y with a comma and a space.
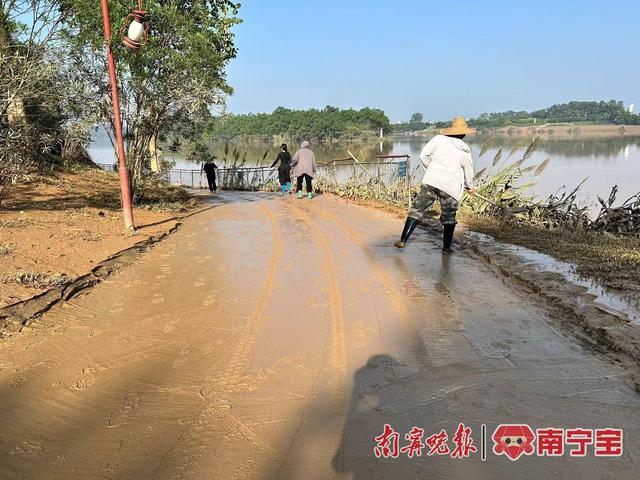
39, 120
328, 123
179, 75
416, 118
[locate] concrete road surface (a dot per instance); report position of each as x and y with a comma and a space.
273, 338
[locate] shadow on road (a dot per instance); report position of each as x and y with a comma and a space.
378, 394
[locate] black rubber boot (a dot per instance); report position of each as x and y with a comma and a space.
409, 226
447, 238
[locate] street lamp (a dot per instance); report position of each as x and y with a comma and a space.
135, 38
136, 35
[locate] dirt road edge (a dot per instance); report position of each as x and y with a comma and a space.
16, 316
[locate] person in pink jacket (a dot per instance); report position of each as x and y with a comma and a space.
304, 168
449, 170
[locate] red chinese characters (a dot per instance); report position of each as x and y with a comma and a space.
437, 444
608, 442
387, 443
463, 442
510, 440
550, 442
415, 442
581, 438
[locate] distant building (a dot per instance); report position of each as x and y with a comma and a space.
631, 108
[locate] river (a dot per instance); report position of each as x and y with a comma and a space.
604, 162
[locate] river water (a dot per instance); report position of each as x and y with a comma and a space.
603, 161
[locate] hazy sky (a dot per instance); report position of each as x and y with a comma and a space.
441, 58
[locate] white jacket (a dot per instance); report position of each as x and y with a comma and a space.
449, 165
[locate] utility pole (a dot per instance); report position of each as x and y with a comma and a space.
125, 186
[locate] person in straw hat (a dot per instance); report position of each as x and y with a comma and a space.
449, 170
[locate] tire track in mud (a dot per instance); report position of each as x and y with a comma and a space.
337, 346
406, 319
336, 372
184, 456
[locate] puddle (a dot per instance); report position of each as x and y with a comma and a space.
606, 300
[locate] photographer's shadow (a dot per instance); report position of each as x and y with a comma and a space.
379, 397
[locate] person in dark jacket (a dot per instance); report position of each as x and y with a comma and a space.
210, 169
284, 169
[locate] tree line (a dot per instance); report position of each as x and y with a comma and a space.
612, 112
326, 124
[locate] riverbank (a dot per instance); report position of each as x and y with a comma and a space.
560, 130
613, 261
570, 130
56, 227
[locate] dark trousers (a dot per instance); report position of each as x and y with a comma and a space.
284, 174
308, 179
211, 179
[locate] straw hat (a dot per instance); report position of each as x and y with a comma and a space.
458, 127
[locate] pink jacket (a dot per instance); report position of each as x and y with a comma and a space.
304, 161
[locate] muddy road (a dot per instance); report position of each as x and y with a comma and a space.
274, 338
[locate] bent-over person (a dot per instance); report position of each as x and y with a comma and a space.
449, 170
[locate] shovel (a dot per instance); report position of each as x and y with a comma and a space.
507, 211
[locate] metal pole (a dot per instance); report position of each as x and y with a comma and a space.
125, 186
409, 177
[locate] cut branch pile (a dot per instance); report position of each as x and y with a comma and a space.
622, 220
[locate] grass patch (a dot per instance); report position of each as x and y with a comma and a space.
88, 236
394, 195
5, 249
37, 280
16, 223
157, 194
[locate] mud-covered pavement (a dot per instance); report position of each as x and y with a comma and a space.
274, 338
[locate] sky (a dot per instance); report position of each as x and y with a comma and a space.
440, 58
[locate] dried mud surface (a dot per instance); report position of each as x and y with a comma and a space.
273, 338
66, 224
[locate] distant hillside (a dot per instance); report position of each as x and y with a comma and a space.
327, 124
611, 112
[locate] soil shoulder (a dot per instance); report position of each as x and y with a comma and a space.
57, 227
